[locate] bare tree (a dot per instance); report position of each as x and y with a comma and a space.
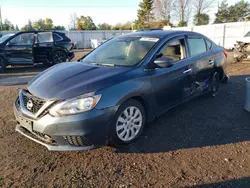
73, 21
163, 9
182, 9
202, 6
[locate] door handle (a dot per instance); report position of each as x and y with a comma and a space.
187, 71
210, 62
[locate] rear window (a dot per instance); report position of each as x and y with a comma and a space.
57, 37
44, 37
196, 46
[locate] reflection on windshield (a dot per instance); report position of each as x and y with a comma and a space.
5, 37
123, 51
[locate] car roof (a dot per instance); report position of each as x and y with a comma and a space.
35, 31
158, 33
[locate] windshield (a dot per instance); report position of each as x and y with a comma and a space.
5, 37
123, 51
248, 34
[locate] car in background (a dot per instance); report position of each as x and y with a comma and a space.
112, 92
29, 47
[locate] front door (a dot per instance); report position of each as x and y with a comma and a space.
172, 85
19, 50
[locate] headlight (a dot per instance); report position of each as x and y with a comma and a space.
76, 105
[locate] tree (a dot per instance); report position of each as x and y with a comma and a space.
162, 9
42, 24
182, 9
59, 28
201, 7
39, 24
104, 26
17, 29
201, 19
144, 14
73, 21
85, 23
6, 26
28, 26
233, 13
127, 26
48, 24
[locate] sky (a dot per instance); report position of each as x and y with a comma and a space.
109, 11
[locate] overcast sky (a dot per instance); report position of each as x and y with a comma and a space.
109, 11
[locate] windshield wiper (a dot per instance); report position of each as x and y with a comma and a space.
102, 64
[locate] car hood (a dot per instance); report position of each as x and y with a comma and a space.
67, 80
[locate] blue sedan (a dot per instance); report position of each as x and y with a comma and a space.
109, 95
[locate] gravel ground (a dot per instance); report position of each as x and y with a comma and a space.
203, 143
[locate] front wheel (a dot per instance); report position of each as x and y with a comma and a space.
128, 124
214, 84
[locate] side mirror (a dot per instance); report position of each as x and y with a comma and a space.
9, 43
164, 62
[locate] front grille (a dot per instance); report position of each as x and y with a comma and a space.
37, 103
77, 141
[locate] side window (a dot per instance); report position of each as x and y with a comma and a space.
209, 45
44, 37
23, 39
57, 37
196, 46
174, 50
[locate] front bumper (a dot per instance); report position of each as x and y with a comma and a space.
76, 132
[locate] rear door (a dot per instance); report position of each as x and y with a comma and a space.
44, 46
172, 85
19, 50
202, 57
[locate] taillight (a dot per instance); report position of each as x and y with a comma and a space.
70, 42
225, 53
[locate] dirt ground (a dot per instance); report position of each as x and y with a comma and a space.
203, 143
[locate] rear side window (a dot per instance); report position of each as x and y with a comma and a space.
209, 45
196, 46
44, 37
57, 37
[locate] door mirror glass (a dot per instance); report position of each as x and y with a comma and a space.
164, 62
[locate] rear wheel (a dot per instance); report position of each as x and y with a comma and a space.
128, 124
57, 57
2, 64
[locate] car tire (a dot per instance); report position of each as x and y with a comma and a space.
58, 57
128, 123
2, 64
225, 79
214, 84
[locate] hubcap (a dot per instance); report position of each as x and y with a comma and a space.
129, 123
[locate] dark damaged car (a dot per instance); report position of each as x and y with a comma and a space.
30, 47
110, 94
